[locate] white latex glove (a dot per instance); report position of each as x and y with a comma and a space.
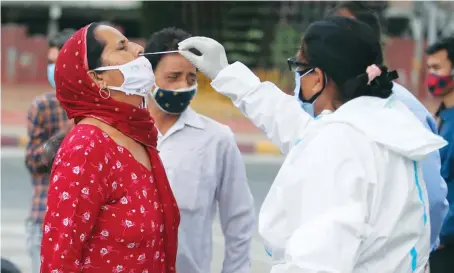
213, 58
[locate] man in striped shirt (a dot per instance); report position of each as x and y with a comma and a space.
45, 119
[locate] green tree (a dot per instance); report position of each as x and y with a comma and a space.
285, 45
156, 15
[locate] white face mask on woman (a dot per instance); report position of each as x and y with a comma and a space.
138, 77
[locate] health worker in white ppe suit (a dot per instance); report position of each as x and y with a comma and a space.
350, 196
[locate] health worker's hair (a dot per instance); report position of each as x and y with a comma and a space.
343, 48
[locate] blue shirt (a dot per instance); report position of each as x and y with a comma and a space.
435, 184
447, 171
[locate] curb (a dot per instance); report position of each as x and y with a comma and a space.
263, 147
258, 147
14, 141
266, 147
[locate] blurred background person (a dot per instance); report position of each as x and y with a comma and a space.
46, 119
440, 82
110, 206
203, 162
436, 185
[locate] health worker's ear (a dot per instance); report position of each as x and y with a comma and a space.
320, 81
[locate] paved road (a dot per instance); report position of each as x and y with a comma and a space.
16, 194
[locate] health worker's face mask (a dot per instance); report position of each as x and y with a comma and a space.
50, 74
307, 107
138, 77
439, 85
174, 101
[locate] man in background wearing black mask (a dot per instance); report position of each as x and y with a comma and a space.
203, 164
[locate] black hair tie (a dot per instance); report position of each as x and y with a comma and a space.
380, 86
385, 79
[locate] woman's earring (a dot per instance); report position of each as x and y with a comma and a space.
103, 93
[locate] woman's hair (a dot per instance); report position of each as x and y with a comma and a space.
343, 48
95, 47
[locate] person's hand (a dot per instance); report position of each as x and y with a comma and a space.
213, 58
51, 147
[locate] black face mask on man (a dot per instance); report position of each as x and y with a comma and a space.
174, 101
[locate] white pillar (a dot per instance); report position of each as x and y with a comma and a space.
432, 28
418, 53
54, 16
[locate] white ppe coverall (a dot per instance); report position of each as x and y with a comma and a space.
350, 196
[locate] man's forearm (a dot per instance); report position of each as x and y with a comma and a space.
238, 228
236, 211
51, 147
237, 255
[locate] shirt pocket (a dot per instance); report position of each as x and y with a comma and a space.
189, 187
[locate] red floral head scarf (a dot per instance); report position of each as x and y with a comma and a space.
80, 97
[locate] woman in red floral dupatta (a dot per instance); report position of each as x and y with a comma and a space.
110, 206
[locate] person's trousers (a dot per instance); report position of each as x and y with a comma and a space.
442, 260
34, 236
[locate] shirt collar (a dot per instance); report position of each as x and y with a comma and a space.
447, 113
190, 118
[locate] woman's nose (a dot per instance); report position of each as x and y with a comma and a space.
137, 50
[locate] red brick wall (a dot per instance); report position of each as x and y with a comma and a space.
399, 56
24, 57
